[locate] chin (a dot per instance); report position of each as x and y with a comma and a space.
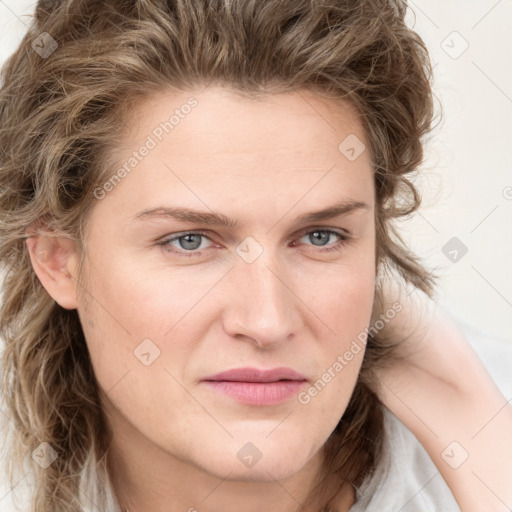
262, 471
257, 461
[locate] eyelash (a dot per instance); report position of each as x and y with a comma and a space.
343, 235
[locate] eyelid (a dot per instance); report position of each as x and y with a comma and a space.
340, 231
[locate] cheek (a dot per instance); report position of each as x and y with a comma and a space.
343, 297
116, 316
125, 307
346, 309
352, 312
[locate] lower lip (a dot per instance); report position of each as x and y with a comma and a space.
258, 393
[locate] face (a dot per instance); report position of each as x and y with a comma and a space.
173, 299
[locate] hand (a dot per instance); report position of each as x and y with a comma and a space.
438, 387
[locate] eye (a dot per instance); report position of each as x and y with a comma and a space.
188, 243
321, 236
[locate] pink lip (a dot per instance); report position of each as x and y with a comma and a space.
256, 387
255, 375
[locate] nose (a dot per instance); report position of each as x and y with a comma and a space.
262, 305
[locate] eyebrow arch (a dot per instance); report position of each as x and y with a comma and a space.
218, 219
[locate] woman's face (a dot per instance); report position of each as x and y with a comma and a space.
162, 313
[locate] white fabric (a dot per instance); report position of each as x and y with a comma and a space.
405, 481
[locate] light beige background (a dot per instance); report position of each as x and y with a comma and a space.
467, 175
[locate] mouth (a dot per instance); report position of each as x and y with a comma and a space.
257, 387
258, 393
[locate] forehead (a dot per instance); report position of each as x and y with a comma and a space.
215, 144
225, 122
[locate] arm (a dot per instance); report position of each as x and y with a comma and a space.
441, 391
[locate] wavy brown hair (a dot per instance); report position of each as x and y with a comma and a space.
62, 115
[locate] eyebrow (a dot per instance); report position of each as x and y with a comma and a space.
218, 219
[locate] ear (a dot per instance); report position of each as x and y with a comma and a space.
55, 262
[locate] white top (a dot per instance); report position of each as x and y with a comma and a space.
406, 479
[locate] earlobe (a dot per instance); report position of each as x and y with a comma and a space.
54, 262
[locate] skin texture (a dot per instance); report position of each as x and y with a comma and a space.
263, 163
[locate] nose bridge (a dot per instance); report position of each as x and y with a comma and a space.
262, 303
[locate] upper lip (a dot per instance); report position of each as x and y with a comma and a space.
255, 375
